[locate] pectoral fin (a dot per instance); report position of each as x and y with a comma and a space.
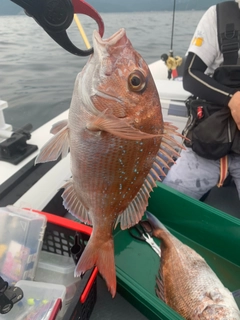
118, 127
59, 126
56, 146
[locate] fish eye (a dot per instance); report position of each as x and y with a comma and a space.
137, 81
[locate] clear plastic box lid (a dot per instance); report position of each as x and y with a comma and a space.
21, 236
56, 262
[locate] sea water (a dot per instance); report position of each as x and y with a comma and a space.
37, 76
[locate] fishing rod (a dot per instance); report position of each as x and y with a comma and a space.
170, 61
173, 22
82, 32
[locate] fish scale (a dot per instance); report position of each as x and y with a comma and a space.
114, 133
98, 166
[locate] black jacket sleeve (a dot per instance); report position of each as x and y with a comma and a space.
202, 85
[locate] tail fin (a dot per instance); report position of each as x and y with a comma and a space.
103, 258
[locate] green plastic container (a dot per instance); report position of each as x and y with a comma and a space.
214, 234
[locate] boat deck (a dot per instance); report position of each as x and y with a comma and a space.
108, 308
225, 199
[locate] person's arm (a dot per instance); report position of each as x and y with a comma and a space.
234, 105
202, 85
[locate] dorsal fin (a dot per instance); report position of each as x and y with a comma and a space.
168, 139
134, 212
160, 288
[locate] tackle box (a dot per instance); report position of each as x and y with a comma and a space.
59, 239
57, 269
214, 234
21, 235
79, 297
40, 300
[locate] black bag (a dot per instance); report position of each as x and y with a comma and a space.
210, 129
228, 76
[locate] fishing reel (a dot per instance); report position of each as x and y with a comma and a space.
171, 62
55, 17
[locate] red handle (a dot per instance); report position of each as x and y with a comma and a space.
56, 308
80, 6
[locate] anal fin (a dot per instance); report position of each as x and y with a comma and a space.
72, 203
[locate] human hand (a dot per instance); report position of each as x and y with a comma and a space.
234, 105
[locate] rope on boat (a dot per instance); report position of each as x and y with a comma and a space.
82, 32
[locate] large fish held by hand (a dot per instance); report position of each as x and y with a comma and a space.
116, 137
187, 284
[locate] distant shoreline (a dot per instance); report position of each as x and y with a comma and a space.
8, 7
179, 10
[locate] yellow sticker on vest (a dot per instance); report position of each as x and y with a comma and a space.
197, 41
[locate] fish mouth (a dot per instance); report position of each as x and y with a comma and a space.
120, 34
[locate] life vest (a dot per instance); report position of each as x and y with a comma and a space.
225, 138
228, 27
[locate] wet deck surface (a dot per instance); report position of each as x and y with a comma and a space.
225, 199
108, 308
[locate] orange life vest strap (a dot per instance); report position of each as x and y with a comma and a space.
223, 170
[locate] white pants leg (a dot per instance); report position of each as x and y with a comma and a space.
194, 175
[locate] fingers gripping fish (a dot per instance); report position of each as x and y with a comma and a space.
116, 136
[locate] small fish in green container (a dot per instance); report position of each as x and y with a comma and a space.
186, 282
